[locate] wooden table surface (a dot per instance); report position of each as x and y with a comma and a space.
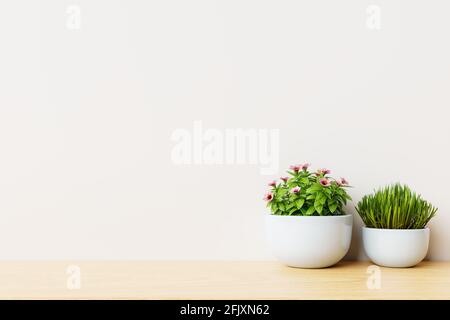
220, 280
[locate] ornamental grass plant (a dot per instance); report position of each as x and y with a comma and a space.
395, 207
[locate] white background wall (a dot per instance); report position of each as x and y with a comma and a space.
87, 115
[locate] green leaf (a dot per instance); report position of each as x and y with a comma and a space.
322, 198
310, 211
332, 207
299, 203
304, 181
319, 196
314, 188
318, 207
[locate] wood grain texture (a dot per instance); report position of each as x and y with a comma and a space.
220, 280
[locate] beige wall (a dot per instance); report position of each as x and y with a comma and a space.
90, 103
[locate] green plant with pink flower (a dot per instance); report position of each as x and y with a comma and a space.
306, 193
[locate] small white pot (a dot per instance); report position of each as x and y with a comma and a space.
309, 241
397, 248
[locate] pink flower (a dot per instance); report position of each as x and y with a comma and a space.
268, 196
295, 190
325, 182
272, 183
296, 168
305, 166
342, 182
285, 179
323, 172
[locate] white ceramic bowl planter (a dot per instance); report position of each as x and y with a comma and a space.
395, 233
309, 241
398, 248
